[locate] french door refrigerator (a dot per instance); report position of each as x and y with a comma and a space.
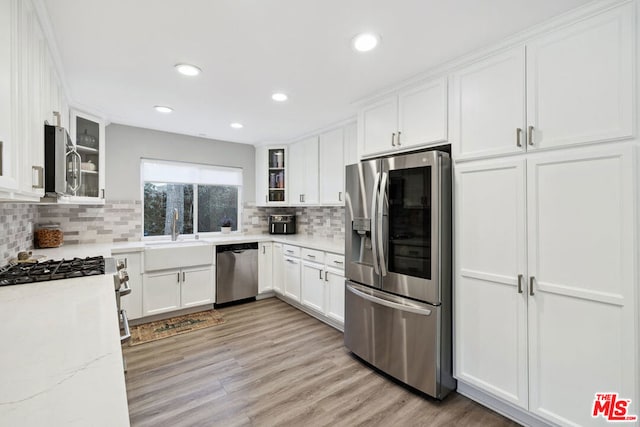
398, 268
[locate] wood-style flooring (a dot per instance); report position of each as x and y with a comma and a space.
273, 365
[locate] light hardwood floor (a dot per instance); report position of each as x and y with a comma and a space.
273, 365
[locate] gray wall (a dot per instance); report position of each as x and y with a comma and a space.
126, 145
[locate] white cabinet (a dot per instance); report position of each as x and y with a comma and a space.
580, 81
8, 98
291, 274
416, 116
304, 178
332, 167
272, 175
265, 267
161, 292
132, 302
488, 106
278, 268
490, 312
378, 125
313, 286
196, 286
578, 89
334, 279
544, 265
88, 135
171, 290
351, 144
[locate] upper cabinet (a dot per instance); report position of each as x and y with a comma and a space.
88, 133
304, 182
272, 175
488, 106
332, 167
8, 142
569, 86
416, 116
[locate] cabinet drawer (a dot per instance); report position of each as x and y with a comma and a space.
289, 250
335, 260
313, 255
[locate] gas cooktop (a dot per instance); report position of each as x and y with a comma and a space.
18, 274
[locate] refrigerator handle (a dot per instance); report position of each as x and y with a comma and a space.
379, 223
387, 303
374, 235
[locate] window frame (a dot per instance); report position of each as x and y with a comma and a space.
195, 202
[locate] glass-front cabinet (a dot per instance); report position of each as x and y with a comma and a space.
271, 175
87, 133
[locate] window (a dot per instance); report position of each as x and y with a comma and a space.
204, 196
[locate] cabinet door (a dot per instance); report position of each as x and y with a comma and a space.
198, 287
378, 126
87, 132
581, 266
303, 164
313, 287
132, 302
580, 81
262, 176
422, 114
8, 100
351, 144
332, 167
488, 106
278, 268
265, 267
334, 280
490, 302
161, 292
292, 278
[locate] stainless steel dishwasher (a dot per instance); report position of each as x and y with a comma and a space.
237, 272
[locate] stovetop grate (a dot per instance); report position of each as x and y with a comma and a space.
17, 274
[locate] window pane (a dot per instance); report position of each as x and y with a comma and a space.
215, 204
160, 199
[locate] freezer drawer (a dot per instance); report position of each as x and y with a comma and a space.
400, 337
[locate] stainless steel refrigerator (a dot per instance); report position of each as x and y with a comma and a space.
398, 268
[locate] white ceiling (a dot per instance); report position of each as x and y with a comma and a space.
118, 56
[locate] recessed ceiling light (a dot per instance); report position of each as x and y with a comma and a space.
163, 109
236, 125
188, 69
279, 96
365, 42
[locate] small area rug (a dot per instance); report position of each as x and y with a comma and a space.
166, 328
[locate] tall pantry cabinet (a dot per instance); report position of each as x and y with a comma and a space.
546, 226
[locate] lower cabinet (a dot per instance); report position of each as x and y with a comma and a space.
313, 287
292, 278
277, 272
545, 289
334, 280
170, 290
265, 267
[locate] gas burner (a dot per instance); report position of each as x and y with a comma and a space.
18, 274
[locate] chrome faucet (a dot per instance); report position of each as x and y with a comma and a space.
174, 226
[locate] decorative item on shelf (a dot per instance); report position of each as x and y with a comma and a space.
88, 166
225, 225
48, 236
86, 140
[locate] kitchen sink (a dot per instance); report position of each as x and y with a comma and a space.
166, 255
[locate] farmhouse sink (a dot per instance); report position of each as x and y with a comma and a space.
171, 255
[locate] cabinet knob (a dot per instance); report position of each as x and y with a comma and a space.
531, 280
393, 139
530, 135
398, 142
518, 136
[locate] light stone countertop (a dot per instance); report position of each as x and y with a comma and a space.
61, 361
107, 249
